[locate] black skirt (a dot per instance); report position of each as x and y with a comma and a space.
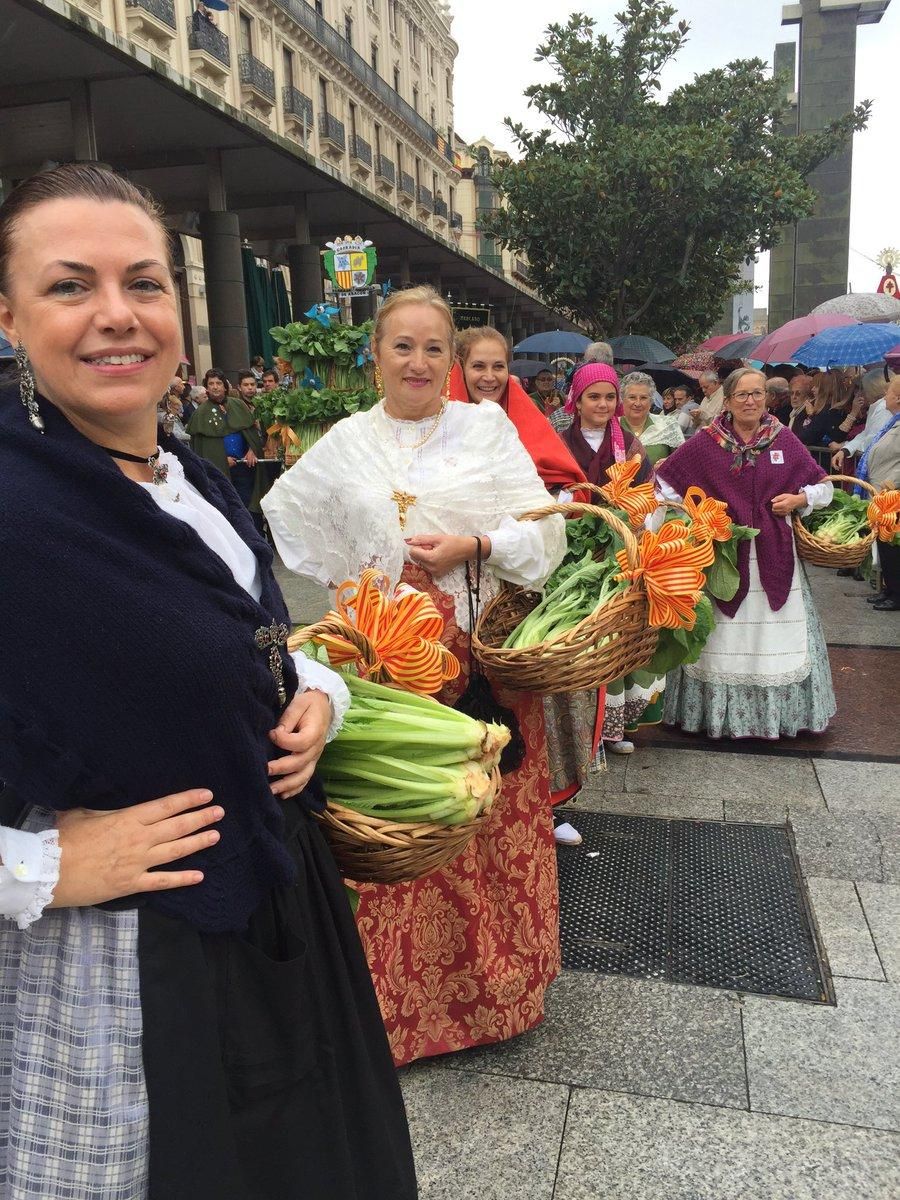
267, 1066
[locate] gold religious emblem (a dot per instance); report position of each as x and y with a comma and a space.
404, 502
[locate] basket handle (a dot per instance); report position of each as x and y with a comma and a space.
349, 633
852, 479
577, 509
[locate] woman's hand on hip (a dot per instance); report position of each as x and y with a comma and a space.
439, 553
786, 503
108, 855
301, 732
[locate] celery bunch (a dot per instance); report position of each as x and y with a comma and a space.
843, 521
580, 588
405, 757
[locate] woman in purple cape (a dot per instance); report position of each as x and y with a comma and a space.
764, 671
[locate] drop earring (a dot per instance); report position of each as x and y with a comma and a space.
379, 382
26, 387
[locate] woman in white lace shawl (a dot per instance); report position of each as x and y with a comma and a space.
463, 956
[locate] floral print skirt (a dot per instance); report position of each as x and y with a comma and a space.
463, 957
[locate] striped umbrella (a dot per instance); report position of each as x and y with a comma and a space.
848, 346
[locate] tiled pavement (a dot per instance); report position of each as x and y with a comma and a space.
639, 1090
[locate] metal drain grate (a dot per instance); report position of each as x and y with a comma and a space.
688, 901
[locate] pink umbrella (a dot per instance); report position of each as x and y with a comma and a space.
892, 358
780, 344
715, 344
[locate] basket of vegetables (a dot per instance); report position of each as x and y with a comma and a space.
409, 781
839, 535
590, 627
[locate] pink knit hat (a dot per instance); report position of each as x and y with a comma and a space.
587, 374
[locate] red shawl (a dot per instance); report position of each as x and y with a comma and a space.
554, 463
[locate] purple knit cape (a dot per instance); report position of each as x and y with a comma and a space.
784, 466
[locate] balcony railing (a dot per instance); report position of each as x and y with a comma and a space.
361, 150
440, 209
332, 130
203, 35
297, 104
424, 199
163, 10
521, 268
456, 221
494, 261
407, 184
385, 169
485, 210
326, 35
257, 75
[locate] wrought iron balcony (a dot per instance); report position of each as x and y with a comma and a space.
521, 268
297, 105
485, 210
424, 199
361, 150
494, 261
385, 169
326, 35
203, 35
257, 75
456, 221
440, 209
163, 10
332, 130
407, 184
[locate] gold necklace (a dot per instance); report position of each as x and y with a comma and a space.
437, 420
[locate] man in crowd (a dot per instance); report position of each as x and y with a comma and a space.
270, 380
800, 389
685, 407
247, 389
711, 404
545, 395
778, 398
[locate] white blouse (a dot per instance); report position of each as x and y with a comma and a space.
29, 862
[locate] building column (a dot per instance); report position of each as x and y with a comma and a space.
362, 308
304, 264
220, 237
84, 134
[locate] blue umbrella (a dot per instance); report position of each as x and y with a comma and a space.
555, 341
6, 350
848, 346
636, 349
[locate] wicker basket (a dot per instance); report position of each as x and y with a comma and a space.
572, 661
370, 850
820, 553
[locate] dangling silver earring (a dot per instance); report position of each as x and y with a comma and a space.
26, 387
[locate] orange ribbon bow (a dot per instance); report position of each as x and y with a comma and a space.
404, 630
637, 502
884, 515
671, 566
709, 518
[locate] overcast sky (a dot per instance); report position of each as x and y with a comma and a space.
496, 63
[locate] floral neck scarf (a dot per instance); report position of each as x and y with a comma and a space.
744, 454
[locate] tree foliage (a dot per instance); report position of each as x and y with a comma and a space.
636, 213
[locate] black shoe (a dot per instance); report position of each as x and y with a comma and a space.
888, 604
875, 597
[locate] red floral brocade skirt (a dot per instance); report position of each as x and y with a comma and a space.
463, 956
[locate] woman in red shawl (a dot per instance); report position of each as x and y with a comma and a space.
574, 720
482, 373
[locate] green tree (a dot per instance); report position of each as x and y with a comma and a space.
636, 214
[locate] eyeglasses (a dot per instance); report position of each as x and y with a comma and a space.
759, 394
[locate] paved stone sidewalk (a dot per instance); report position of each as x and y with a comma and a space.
634, 1089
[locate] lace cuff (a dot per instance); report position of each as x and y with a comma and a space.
29, 873
818, 495
315, 675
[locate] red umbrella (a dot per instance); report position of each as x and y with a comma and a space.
892, 358
715, 344
695, 363
780, 344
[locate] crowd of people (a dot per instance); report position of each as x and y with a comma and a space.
190, 1006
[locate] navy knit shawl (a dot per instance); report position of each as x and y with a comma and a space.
128, 664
